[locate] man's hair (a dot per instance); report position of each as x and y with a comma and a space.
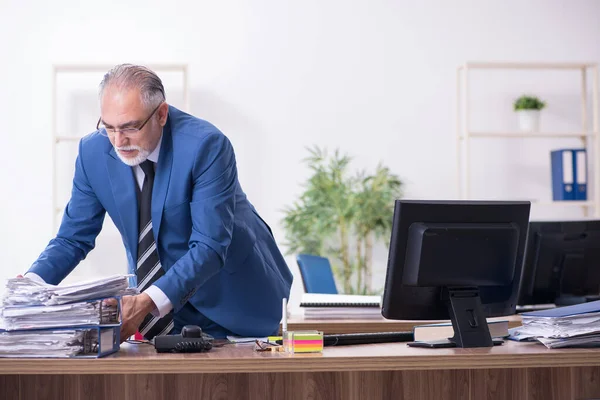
129, 76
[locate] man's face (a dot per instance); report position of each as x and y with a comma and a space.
123, 108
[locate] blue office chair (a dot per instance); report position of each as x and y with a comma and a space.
316, 274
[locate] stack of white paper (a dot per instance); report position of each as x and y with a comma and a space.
572, 326
43, 320
24, 291
52, 343
74, 314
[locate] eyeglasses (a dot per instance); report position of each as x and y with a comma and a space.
259, 345
129, 132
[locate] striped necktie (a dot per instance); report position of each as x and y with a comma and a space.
149, 268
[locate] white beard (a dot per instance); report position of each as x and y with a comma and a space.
141, 156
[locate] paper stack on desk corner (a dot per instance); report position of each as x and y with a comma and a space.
571, 326
40, 320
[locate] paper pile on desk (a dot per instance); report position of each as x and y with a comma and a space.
74, 314
24, 291
53, 343
43, 320
572, 326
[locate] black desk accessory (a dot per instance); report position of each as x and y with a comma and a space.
191, 340
346, 339
447, 343
367, 338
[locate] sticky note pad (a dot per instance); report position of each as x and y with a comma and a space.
303, 341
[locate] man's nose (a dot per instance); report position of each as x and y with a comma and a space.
120, 139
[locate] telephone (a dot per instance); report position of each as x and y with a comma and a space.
191, 340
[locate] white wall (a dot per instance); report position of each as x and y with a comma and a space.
376, 78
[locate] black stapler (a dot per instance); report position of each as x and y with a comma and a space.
191, 340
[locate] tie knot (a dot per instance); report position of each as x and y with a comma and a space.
148, 168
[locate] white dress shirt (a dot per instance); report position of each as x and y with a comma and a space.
160, 299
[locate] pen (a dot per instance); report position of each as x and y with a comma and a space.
284, 316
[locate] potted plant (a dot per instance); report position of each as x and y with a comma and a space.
342, 215
528, 110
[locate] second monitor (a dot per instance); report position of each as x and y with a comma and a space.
562, 263
457, 260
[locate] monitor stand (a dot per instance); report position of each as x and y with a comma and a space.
468, 321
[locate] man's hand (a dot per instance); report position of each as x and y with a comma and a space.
133, 311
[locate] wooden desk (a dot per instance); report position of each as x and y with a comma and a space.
376, 371
368, 325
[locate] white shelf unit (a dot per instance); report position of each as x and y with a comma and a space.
59, 137
590, 138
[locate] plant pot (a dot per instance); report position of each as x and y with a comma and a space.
529, 120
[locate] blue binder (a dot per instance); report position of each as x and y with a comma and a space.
567, 311
563, 177
580, 173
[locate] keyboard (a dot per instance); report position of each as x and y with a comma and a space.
367, 338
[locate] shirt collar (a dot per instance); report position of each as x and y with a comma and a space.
156, 152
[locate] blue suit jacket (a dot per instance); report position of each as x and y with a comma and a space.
216, 251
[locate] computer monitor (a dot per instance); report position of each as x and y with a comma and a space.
457, 260
562, 263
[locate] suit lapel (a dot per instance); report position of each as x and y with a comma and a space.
122, 182
162, 177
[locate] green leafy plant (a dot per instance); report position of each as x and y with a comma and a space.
528, 103
342, 215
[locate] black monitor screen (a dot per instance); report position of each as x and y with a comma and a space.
562, 263
437, 246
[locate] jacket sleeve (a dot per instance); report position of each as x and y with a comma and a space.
212, 212
82, 221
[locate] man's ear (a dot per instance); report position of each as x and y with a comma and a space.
163, 113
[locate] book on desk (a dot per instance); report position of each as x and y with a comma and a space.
336, 306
